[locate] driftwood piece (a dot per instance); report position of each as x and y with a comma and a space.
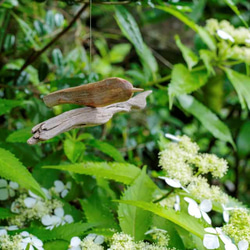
84, 117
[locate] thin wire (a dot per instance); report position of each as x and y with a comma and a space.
90, 36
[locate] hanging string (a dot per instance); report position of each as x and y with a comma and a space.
90, 36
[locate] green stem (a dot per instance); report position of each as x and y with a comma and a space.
163, 197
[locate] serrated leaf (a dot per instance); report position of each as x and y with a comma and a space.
12, 169
134, 221
208, 119
120, 172
73, 149
5, 213
129, 27
7, 105
21, 135
97, 209
189, 56
107, 149
65, 232
241, 84
184, 81
181, 219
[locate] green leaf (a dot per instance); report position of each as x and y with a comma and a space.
207, 38
5, 213
97, 209
181, 219
7, 105
189, 56
184, 81
21, 135
241, 85
12, 169
134, 221
207, 57
208, 119
243, 140
234, 8
119, 52
129, 27
73, 149
120, 172
56, 244
107, 149
65, 232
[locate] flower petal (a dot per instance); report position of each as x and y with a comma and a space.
68, 218
206, 217
99, 239
226, 216
11, 192
171, 182
230, 246
69, 185
4, 194
13, 185
64, 193
25, 234
224, 35
210, 230
206, 206
46, 220
3, 183
172, 137
243, 245
75, 241
211, 241
37, 242
59, 186
59, 212
29, 202
3, 232
193, 210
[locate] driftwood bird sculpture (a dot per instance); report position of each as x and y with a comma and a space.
103, 98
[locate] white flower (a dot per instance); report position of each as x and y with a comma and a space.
56, 220
211, 241
9, 228
224, 35
3, 232
75, 243
177, 206
173, 183
61, 188
172, 137
199, 210
7, 189
35, 199
226, 213
30, 241
97, 239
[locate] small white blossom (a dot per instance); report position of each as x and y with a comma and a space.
177, 206
224, 35
201, 210
173, 183
97, 239
62, 189
211, 240
226, 213
7, 189
75, 243
172, 137
56, 220
30, 241
34, 199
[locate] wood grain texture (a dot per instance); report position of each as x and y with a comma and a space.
97, 94
84, 117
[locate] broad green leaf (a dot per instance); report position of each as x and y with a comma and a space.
120, 172
208, 119
7, 105
205, 36
107, 149
243, 140
189, 56
184, 81
21, 135
134, 221
97, 209
181, 219
129, 27
65, 232
241, 84
73, 149
5, 213
207, 57
119, 52
12, 169
56, 244
234, 8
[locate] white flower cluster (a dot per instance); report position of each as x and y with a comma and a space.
7, 189
22, 241
184, 167
233, 43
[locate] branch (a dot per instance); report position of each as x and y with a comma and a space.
84, 117
35, 54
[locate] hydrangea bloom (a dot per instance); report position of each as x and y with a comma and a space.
29, 242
